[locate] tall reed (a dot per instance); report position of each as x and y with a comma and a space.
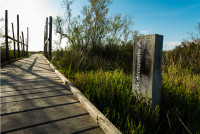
105, 78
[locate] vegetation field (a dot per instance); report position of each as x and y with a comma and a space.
99, 63
109, 88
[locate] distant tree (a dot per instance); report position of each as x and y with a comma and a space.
2, 34
1, 31
196, 37
2, 40
94, 28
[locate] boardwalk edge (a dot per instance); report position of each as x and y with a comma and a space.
99, 118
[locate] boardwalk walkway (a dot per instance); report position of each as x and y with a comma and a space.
35, 101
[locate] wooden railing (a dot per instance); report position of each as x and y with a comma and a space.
14, 40
48, 41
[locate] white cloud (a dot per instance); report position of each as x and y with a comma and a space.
170, 45
145, 32
173, 43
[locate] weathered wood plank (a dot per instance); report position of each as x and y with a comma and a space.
14, 39
19, 120
10, 88
68, 126
32, 96
39, 102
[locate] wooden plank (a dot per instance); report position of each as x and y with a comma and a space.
82, 124
24, 106
50, 36
13, 40
40, 116
32, 96
18, 36
27, 89
6, 34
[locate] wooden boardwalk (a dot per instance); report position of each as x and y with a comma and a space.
34, 100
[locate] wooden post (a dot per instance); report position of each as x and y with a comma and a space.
48, 49
6, 35
18, 36
23, 44
46, 36
44, 40
50, 36
27, 39
13, 40
147, 62
25, 49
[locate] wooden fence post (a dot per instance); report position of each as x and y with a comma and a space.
25, 49
46, 36
50, 36
27, 39
18, 36
6, 35
44, 39
13, 40
22, 44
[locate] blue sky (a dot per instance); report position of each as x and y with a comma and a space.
170, 18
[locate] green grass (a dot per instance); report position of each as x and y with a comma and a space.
111, 92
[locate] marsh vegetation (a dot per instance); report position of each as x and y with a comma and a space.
99, 63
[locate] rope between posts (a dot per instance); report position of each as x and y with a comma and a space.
176, 115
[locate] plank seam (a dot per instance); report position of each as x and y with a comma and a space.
39, 108
37, 98
43, 123
33, 89
81, 131
31, 93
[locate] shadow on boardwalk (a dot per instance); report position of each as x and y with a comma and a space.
35, 100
